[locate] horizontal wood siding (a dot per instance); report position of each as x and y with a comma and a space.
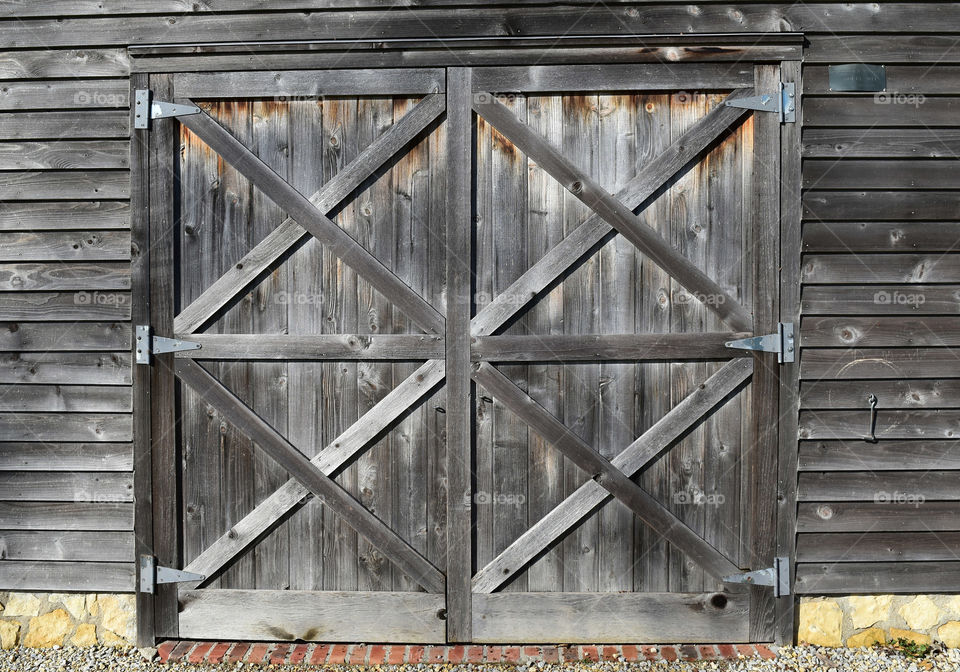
880, 272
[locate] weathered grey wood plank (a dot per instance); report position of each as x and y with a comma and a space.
881, 268
65, 185
66, 516
875, 577
590, 347
459, 272
288, 233
78, 306
882, 456
65, 427
878, 547
881, 143
887, 236
873, 206
900, 393
81, 487
310, 475
60, 275
612, 210
66, 368
879, 331
487, 21
910, 110
315, 347
64, 125
890, 424
881, 300
891, 48
610, 617
328, 616
873, 363
307, 84
632, 459
579, 241
67, 456
65, 246
605, 473
58, 545
877, 517
904, 488
84, 94
43, 63
84, 577
64, 336
913, 174
67, 155
113, 398
51, 215
610, 77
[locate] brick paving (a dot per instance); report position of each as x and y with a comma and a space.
394, 654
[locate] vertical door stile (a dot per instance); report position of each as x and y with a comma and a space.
761, 449
459, 403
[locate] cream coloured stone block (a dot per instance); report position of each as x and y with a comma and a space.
921, 613
868, 610
821, 623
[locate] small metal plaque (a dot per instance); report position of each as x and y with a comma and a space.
858, 77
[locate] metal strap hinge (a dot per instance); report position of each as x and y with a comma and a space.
781, 343
147, 344
784, 102
777, 576
145, 109
152, 574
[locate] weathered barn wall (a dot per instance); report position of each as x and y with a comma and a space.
879, 297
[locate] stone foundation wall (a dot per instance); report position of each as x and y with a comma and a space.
863, 620
66, 619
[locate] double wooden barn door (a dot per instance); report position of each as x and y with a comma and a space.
462, 372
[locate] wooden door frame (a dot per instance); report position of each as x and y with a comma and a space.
152, 216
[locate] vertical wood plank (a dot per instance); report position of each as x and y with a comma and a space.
459, 271
652, 570
140, 314
722, 429
305, 316
790, 241
340, 380
688, 233
165, 459
508, 493
269, 130
617, 315
581, 316
544, 230
764, 256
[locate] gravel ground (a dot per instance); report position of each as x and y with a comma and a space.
790, 659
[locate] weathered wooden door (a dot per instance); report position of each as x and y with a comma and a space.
461, 372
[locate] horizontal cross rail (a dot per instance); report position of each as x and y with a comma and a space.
605, 347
